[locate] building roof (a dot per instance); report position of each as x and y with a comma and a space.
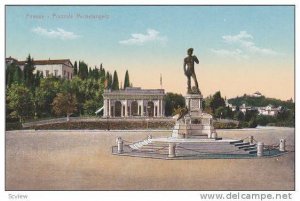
10, 59
134, 91
49, 62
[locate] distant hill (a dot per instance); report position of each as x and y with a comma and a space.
260, 102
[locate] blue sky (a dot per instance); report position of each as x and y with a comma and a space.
149, 40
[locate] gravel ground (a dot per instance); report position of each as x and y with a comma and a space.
82, 160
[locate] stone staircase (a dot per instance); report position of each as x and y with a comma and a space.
192, 148
140, 144
246, 146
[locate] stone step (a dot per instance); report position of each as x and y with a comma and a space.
241, 144
250, 148
235, 142
247, 146
253, 152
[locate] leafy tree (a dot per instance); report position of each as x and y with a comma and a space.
253, 123
217, 101
64, 104
28, 72
20, 101
250, 114
45, 94
91, 106
221, 112
263, 120
37, 78
173, 102
126, 80
115, 83
238, 115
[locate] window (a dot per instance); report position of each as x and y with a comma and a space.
47, 73
68, 75
64, 73
55, 73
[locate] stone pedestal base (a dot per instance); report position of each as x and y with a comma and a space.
195, 124
194, 104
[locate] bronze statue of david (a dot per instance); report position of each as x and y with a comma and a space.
189, 71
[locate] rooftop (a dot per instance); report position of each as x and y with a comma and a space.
135, 91
48, 62
42, 62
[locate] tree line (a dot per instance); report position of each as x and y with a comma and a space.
30, 95
216, 106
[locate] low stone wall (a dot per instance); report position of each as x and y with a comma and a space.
104, 125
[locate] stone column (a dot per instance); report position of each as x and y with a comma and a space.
172, 150
282, 145
214, 135
120, 145
109, 112
153, 108
142, 108
126, 106
160, 108
260, 149
121, 108
104, 108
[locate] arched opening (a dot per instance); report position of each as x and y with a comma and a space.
150, 109
134, 108
118, 107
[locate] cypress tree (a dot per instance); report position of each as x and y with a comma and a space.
110, 81
83, 70
75, 68
115, 84
126, 80
28, 72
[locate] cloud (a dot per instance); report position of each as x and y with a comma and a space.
236, 54
57, 33
244, 42
140, 39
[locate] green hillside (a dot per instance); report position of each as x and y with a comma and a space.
260, 102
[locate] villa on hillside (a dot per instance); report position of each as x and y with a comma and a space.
268, 110
58, 67
134, 102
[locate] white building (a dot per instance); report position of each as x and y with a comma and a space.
58, 68
243, 108
134, 102
268, 110
257, 94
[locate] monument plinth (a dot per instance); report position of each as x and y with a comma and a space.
195, 123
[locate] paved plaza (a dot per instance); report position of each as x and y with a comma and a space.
82, 160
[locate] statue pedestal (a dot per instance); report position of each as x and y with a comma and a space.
194, 104
195, 124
